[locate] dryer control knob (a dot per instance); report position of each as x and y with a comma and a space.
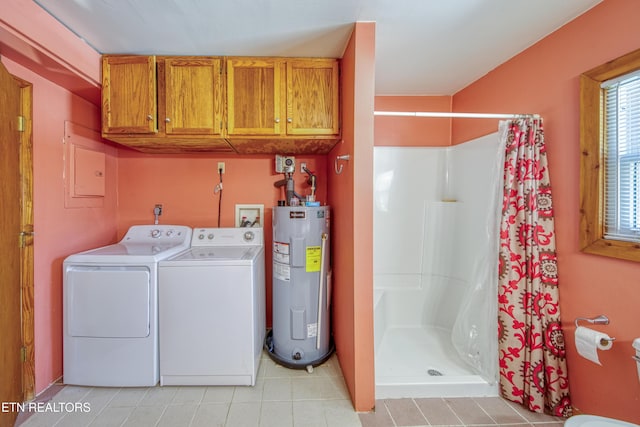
249, 236
201, 236
155, 233
210, 236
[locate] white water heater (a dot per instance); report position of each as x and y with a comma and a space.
300, 337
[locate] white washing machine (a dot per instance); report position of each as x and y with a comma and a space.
212, 309
110, 317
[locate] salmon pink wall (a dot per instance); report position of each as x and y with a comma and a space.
59, 231
184, 185
412, 131
36, 40
351, 198
544, 79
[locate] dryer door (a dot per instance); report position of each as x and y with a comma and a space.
107, 302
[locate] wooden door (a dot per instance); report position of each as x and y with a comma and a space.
193, 96
129, 94
254, 93
312, 97
10, 261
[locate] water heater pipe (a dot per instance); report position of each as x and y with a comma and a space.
321, 287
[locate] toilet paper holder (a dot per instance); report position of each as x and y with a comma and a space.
598, 320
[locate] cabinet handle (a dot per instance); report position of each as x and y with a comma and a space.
289, 120
168, 120
277, 120
149, 117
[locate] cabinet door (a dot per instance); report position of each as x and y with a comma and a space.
129, 94
312, 97
193, 96
254, 96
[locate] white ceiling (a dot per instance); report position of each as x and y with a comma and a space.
423, 47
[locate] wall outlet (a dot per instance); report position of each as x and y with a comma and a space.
303, 165
220, 166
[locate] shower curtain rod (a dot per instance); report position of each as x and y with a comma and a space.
455, 115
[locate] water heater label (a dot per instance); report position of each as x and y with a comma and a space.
313, 259
312, 330
281, 252
281, 271
281, 248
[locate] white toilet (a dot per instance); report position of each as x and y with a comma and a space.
595, 421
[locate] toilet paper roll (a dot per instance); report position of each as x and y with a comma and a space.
588, 342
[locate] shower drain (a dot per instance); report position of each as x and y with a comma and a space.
434, 373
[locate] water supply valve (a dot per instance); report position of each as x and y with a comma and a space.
157, 211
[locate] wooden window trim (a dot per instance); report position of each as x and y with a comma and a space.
592, 160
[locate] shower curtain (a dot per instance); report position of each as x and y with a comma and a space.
532, 363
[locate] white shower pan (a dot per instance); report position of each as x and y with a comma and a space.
420, 360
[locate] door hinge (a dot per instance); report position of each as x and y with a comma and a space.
23, 238
23, 354
20, 123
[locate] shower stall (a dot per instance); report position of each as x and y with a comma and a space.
436, 218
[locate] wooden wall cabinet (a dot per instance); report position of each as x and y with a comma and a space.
182, 98
191, 95
313, 97
264, 105
254, 96
258, 87
283, 105
129, 95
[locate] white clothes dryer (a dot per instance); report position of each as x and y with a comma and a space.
212, 309
110, 316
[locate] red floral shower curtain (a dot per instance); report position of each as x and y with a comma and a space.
533, 369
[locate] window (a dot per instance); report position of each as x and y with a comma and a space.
622, 157
610, 165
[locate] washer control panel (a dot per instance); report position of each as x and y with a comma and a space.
166, 234
240, 236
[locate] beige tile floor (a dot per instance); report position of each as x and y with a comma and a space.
463, 411
282, 397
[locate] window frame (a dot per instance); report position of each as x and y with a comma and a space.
592, 148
